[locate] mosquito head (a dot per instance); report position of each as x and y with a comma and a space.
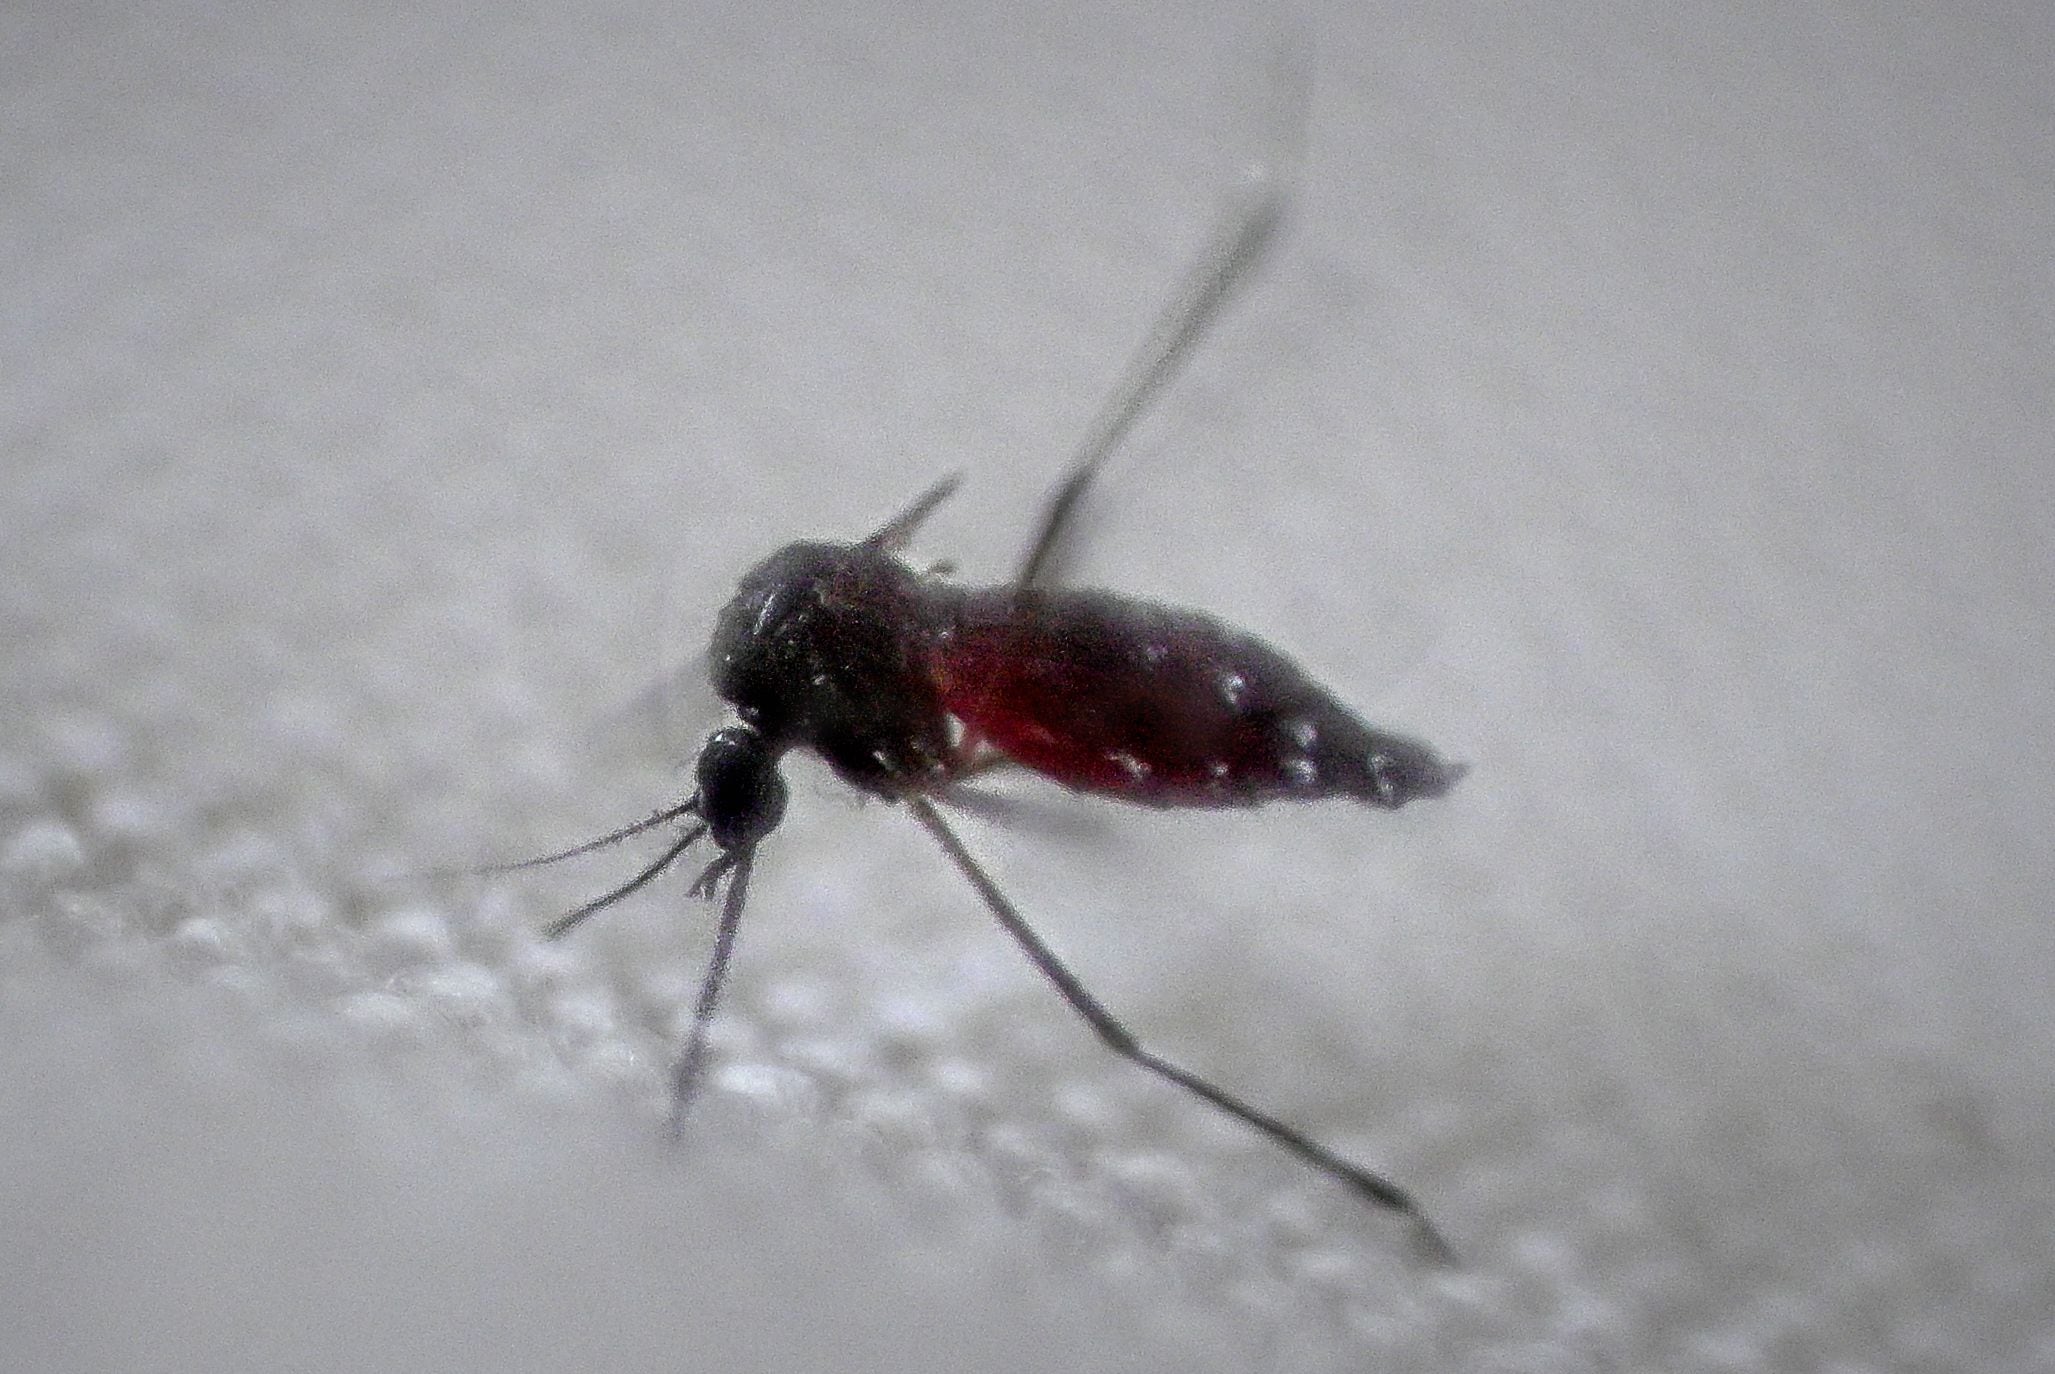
741, 795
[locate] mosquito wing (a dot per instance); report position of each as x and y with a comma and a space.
1161, 706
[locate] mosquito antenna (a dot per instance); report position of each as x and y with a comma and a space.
685, 1079
565, 923
688, 807
900, 527
1116, 1037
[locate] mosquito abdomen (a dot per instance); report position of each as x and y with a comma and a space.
1162, 706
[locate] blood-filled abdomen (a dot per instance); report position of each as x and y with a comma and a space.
1162, 706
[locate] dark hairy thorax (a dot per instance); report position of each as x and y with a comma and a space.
830, 647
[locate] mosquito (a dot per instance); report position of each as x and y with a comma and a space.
906, 684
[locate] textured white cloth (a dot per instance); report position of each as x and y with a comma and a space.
1650, 407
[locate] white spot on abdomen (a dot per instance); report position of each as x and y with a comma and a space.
1127, 763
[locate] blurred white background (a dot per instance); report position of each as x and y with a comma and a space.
1648, 405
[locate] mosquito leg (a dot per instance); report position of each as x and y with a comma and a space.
1121, 1041
901, 527
1236, 244
685, 1078
565, 923
975, 762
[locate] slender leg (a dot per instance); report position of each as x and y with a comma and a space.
685, 1079
1238, 241
976, 761
1236, 245
900, 528
1122, 1042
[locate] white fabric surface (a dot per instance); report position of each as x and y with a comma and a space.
1650, 406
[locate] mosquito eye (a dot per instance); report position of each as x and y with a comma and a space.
741, 794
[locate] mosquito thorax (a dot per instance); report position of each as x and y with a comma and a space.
741, 793
761, 635
827, 647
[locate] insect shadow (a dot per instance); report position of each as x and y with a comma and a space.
908, 684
